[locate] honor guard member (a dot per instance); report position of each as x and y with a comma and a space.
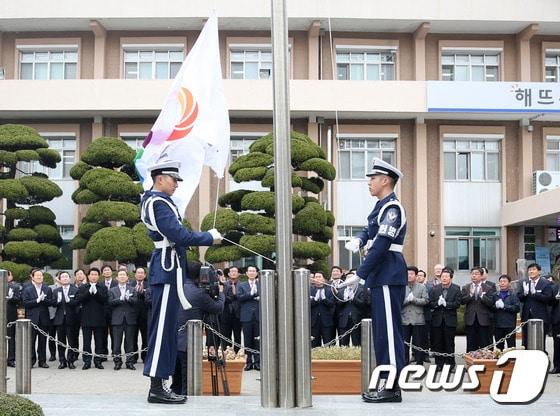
167, 269
385, 273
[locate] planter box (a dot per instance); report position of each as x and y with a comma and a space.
234, 371
336, 376
486, 376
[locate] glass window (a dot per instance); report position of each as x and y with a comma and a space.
134, 141
471, 160
152, 62
355, 155
251, 63
553, 153
362, 65
347, 259
471, 247
552, 66
475, 66
48, 64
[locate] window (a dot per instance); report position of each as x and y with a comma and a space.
552, 66
471, 160
466, 248
553, 153
355, 155
529, 240
347, 259
63, 144
152, 62
365, 65
239, 144
475, 66
67, 233
53, 63
251, 62
134, 140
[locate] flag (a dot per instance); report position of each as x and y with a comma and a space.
193, 125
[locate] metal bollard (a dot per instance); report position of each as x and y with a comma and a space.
302, 336
3, 323
269, 360
368, 354
194, 358
535, 334
23, 356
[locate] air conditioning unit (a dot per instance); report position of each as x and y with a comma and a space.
545, 181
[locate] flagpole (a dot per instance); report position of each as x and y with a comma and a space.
283, 199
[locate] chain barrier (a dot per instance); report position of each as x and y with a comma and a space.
333, 341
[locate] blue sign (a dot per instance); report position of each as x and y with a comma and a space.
542, 258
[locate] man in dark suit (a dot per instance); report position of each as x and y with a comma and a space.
555, 326
13, 298
322, 311
351, 306
65, 319
37, 297
203, 305
229, 319
249, 295
109, 282
122, 299
93, 298
484, 279
140, 285
505, 305
478, 313
445, 299
535, 293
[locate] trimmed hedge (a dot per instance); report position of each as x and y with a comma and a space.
32, 252
311, 250
16, 214
249, 174
105, 211
251, 160
16, 136
21, 234
143, 243
226, 219
255, 223
40, 189
322, 167
264, 200
314, 184
87, 229
41, 215
13, 189
27, 155
268, 180
233, 199
78, 170
48, 157
263, 244
310, 220
108, 152
219, 254
330, 218
7, 158
19, 270
111, 244
85, 196
12, 405
108, 184
78, 243
47, 233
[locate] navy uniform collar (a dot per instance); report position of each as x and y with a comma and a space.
389, 197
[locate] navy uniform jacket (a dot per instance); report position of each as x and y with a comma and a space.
169, 223
387, 228
202, 305
248, 305
322, 309
506, 317
68, 310
13, 302
123, 311
535, 305
38, 313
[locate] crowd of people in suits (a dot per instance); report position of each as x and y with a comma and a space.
104, 308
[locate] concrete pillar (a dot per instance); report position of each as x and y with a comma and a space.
97, 128
313, 50
99, 49
419, 37
421, 193
526, 165
523, 40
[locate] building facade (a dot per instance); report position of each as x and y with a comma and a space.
463, 98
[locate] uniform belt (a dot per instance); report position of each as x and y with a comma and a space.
163, 244
396, 247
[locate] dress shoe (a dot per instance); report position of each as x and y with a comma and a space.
86, 366
159, 394
383, 396
118, 366
11, 364
71, 366
52, 358
61, 366
43, 365
130, 366
257, 367
555, 370
99, 366
248, 367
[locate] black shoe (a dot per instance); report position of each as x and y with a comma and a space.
118, 366
130, 366
61, 366
248, 367
43, 365
383, 396
86, 366
257, 367
11, 364
427, 360
71, 366
52, 358
159, 394
99, 366
555, 370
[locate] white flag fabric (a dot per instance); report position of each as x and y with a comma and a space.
193, 126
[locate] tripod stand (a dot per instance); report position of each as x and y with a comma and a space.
218, 371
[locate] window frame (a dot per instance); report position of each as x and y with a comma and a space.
364, 50
243, 43
471, 45
34, 165
153, 48
470, 138
470, 53
379, 137
468, 234
46, 45
552, 152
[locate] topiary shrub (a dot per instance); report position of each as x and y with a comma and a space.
78, 170
219, 254
105, 211
226, 219
19, 270
39, 189
311, 250
108, 152
21, 234
310, 220
12, 405
320, 166
26, 155
48, 157
47, 233
111, 244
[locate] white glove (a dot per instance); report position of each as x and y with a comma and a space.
59, 297
350, 281
525, 288
410, 297
93, 289
353, 245
127, 294
499, 304
215, 234
41, 297
10, 293
441, 301
533, 289
323, 294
